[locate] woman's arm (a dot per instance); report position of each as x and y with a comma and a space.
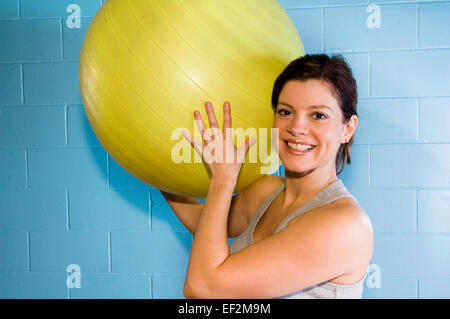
326, 244
187, 209
210, 247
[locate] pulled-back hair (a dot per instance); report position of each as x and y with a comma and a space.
338, 75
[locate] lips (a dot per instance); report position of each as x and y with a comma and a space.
298, 142
298, 147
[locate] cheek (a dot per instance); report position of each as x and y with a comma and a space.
281, 125
333, 143
329, 136
276, 123
275, 139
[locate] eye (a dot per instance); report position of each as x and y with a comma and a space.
286, 112
321, 115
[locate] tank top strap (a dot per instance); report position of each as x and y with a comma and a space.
261, 210
332, 192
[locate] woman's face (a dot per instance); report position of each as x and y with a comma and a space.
308, 115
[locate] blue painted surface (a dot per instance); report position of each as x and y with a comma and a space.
397, 30
128, 251
55, 250
38, 40
12, 168
9, 9
64, 200
51, 83
113, 286
10, 90
33, 209
32, 126
410, 73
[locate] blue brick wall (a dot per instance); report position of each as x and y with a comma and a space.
64, 200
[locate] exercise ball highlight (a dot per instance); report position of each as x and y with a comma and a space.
146, 65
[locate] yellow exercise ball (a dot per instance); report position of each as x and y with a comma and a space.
146, 65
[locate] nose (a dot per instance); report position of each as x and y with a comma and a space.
298, 126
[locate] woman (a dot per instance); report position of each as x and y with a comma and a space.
304, 236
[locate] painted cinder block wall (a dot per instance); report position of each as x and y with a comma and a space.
64, 201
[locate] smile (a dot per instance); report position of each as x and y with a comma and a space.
300, 147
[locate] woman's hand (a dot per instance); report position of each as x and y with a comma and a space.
218, 151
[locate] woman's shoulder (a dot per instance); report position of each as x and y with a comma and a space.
346, 224
344, 213
269, 181
345, 208
349, 205
265, 185
259, 190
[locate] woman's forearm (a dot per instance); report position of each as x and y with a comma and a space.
210, 246
187, 209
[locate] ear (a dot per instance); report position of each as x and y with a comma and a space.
350, 128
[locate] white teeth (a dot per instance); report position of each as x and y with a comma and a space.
300, 147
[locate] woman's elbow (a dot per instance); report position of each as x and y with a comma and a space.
194, 291
188, 293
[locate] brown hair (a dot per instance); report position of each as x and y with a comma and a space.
334, 71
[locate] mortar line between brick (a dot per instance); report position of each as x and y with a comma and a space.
323, 31
150, 212
28, 251
109, 253
108, 171
67, 210
61, 45
66, 125
417, 210
337, 6
417, 26
418, 120
43, 18
27, 181
151, 286
44, 61
22, 84
418, 291
369, 74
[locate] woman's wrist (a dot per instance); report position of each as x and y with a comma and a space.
223, 180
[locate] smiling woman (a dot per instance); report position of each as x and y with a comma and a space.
329, 74
302, 236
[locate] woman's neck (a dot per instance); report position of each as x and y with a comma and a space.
300, 187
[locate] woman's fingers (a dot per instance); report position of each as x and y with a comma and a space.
201, 126
226, 115
211, 137
227, 119
197, 146
211, 115
248, 143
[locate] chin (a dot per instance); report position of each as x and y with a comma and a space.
297, 172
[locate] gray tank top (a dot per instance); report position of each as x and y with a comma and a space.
325, 290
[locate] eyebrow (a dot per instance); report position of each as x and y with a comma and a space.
311, 106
